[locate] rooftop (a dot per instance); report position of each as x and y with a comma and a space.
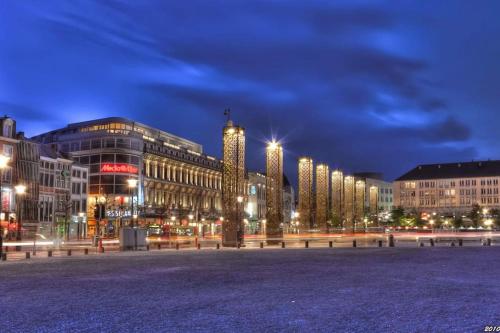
453, 170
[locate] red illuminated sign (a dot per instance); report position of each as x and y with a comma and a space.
119, 168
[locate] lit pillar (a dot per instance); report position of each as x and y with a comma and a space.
359, 204
274, 188
305, 192
233, 178
349, 203
374, 203
322, 190
337, 197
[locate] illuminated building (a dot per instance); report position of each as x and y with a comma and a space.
359, 204
305, 170
449, 188
233, 184
175, 178
384, 197
322, 195
274, 190
373, 200
337, 197
349, 192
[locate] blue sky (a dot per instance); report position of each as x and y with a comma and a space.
365, 86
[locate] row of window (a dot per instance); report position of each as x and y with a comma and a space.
108, 158
111, 142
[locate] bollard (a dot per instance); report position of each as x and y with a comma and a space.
49, 253
28, 255
460, 242
176, 246
4, 256
307, 244
218, 246
147, 247
379, 243
159, 246
452, 243
354, 243
421, 244
488, 242
198, 246
86, 251
431, 241
330, 244
282, 245
261, 245
391, 240
69, 253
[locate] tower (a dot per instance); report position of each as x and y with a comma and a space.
305, 170
274, 191
233, 184
349, 203
359, 210
374, 203
322, 191
337, 197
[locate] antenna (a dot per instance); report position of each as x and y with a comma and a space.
227, 113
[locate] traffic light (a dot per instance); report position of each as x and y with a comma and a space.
99, 211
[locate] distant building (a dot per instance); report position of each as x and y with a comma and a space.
63, 195
450, 187
177, 184
385, 190
255, 208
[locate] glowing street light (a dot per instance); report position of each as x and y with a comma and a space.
239, 199
20, 191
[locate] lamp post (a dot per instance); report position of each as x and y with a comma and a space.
132, 185
4, 162
80, 220
20, 191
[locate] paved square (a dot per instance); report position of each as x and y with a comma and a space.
322, 290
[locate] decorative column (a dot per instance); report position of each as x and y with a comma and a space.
337, 197
305, 169
322, 191
374, 203
349, 203
274, 194
233, 182
359, 210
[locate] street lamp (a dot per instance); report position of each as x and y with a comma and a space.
80, 220
20, 191
4, 162
132, 184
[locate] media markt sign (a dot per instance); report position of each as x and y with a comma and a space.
118, 168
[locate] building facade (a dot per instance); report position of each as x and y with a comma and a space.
178, 186
449, 188
385, 191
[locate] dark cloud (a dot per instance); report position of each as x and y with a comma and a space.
355, 85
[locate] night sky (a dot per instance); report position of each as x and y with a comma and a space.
365, 86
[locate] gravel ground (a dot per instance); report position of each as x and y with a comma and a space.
291, 290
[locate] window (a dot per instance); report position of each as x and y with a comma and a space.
94, 159
110, 143
96, 144
84, 188
85, 145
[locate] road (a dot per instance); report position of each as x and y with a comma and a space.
440, 289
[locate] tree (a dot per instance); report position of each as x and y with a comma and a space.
397, 215
458, 222
475, 215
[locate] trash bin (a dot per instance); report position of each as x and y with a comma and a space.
95, 241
